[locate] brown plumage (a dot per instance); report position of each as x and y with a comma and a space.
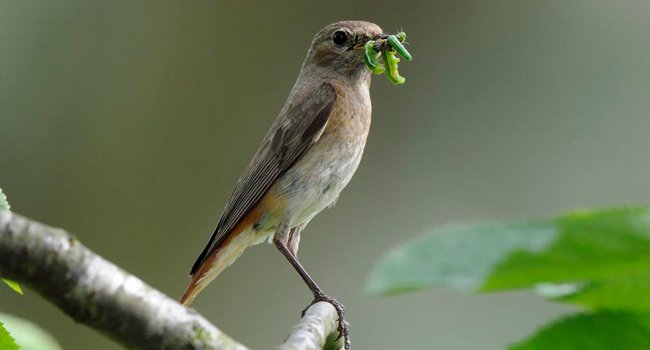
305, 160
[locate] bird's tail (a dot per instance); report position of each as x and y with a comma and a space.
216, 262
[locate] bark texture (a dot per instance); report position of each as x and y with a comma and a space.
99, 294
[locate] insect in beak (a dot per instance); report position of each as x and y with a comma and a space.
360, 45
386, 46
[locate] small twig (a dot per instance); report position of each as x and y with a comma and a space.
316, 330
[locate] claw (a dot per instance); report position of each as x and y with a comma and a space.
343, 327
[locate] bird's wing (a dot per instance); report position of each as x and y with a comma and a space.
298, 126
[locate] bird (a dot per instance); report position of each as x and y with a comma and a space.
306, 159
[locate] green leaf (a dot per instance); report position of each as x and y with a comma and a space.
598, 331
6, 341
628, 292
590, 246
28, 335
4, 204
13, 285
461, 256
332, 343
585, 247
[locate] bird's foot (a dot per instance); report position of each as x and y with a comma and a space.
344, 326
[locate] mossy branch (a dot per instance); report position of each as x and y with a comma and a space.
316, 330
97, 293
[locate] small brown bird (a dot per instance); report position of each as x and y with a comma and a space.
306, 159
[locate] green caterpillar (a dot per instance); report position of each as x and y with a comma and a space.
387, 46
371, 57
391, 61
396, 42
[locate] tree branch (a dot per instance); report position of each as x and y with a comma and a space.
94, 291
316, 330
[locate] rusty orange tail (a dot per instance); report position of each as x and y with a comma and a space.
238, 240
216, 263
191, 292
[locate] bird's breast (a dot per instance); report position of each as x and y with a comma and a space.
319, 176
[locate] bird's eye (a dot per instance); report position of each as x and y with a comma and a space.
340, 37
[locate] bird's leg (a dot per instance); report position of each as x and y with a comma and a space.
281, 241
294, 240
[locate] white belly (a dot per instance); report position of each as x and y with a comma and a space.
317, 179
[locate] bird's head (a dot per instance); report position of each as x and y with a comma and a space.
337, 49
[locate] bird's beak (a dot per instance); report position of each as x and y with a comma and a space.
359, 45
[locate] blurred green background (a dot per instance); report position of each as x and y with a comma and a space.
129, 123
